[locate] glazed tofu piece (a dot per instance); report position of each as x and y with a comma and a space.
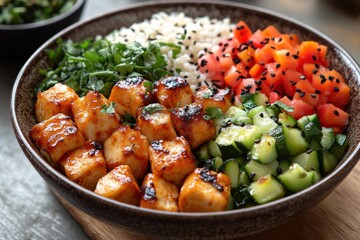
129, 147
57, 99
130, 94
156, 193
120, 185
56, 136
214, 97
172, 160
173, 92
154, 121
204, 191
93, 122
85, 165
189, 122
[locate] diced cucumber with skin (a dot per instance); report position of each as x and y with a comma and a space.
256, 170
264, 151
231, 203
246, 137
213, 149
310, 125
203, 152
241, 160
217, 163
295, 142
281, 147
328, 137
315, 120
243, 179
273, 110
339, 147
317, 177
296, 178
315, 145
237, 116
266, 189
284, 165
231, 169
226, 142
308, 160
258, 110
328, 161
265, 124
287, 120
260, 99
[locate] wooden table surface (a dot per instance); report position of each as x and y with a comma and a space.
29, 210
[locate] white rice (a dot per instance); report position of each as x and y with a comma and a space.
195, 36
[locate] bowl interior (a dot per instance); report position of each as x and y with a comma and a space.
23, 100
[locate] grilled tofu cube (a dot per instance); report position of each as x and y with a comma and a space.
56, 136
172, 160
93, 122
130, 94
205, 191
173, 92
189, 122
156, 193
214, 97
85, 165
154, 121
57, 99
120, 185
129, 147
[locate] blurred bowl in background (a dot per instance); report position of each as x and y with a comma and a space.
19, 41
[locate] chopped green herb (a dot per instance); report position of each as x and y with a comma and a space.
283, 106
108, 109
212, 113
151, 108
149, 86
99, 64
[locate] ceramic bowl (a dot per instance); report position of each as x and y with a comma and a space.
164, 225
21, 40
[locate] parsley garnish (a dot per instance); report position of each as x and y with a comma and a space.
99, 64
149, 86
108, 109
212, 113
127, 119
151, 108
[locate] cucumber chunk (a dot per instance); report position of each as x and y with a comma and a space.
265, 124
287, 120
266, 189
328, 137
309, 126
226, 142
296, 178
327, 161
308, 160
237, 116
295, 142
281, 148
256, 170
243, 179
217, 163
231, 169
203, 152
246, 137
339, 147
264, 151
214, 149
284, 165
257, 111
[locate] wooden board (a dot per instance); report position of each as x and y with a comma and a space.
337, 217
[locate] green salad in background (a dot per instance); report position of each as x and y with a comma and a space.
28, 11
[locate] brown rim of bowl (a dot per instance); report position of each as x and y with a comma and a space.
342, 170
16, 27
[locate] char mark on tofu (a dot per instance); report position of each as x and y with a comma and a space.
173, 92
209, 176
120, 185
214, 97
131, 94
171, 160
157, 193
85, 165
189, 122
56, 136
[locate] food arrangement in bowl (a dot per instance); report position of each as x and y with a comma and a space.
203, 116
180, 108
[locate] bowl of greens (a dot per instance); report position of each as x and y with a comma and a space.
25, 25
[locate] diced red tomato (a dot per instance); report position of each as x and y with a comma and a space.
235, 74
273, 97
290, 80
265, 54
285, 59
242, 32
257, 39
332, 116
256, 70
271, 31
300, 107
341, 95
293, 39
246, 55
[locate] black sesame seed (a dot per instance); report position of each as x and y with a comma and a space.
302, 94
313, 95
313, 57
336, 89
257, 140
295, 56
317, 92
272, 47
287, 54
293, 83
317, 65
278, 65
191, 55
331, 78
337, 80
315, 71
309, 151
336, 113
272, 74
298, 90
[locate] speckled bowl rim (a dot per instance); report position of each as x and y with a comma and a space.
341, 169
17, 27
